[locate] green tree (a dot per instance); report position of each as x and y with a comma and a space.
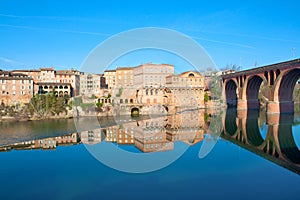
215, 88
206, 97
120, 92
99, 104
42, 106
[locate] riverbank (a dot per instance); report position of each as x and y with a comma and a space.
27, 118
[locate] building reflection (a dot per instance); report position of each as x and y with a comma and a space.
160, 133
44, 144
148, 135
152, 135
92, 136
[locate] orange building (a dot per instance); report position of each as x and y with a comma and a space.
124, 77
69, 76
15, 88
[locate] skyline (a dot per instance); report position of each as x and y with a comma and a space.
61, 35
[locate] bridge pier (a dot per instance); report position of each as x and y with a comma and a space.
273, 119
252, 104
280, 107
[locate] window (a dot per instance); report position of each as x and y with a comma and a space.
14, 87
3, 81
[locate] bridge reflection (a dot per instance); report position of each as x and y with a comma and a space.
279, 146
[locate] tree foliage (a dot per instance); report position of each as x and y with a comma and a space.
42, 106
215, 88
206, 97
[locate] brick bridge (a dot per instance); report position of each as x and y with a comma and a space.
241, 88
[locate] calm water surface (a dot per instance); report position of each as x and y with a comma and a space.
256, 157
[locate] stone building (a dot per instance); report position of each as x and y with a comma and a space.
90, 84
124, 77
32, 73
59, 89
143, 84
187, 89
69, 76
47, 75
15, 88
110, 78
152, 75
50, 75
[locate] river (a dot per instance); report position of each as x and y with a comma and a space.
193, 154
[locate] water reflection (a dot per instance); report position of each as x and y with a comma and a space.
270, 137
244, 128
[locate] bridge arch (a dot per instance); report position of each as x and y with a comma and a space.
251, 90
231, 93
272, 77
287, 84
135, 112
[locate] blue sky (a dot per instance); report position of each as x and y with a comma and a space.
62, 33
